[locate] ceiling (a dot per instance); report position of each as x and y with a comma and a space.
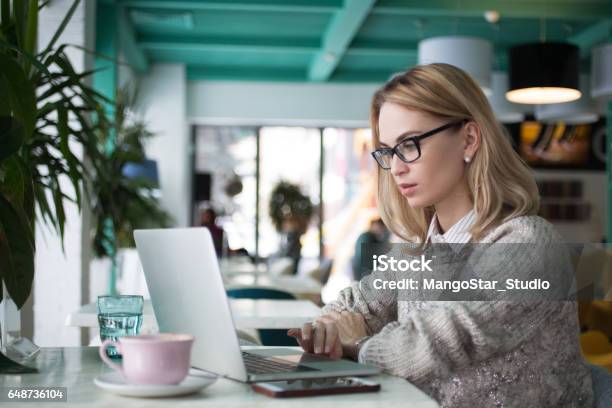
335, 40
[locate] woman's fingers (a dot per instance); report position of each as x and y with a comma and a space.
337, 350
307, 331
331, 336
323, 338
297, 334
319, 337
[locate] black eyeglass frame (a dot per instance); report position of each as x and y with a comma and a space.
417, 142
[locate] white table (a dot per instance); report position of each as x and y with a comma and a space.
75, 368
239, 266
248, 314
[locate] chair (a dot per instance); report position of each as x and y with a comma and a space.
600, 316
268, 337
281, 266
322, 272
596, 349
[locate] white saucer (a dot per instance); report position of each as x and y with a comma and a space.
115, 383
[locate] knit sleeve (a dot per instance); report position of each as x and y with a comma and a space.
378, 307
377, 312
448, 335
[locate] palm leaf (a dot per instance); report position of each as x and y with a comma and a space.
16, 254
19, 94
61, 27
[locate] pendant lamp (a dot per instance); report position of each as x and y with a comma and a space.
506, 112
471, 54
545, 72
601, 71
580, 111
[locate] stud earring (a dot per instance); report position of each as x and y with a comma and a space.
467, 159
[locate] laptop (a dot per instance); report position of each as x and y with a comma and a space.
188, 296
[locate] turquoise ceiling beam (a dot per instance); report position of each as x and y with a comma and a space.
311, 6
361, 49
212, 43
382, 52
507, 8
344, 26
195, 73
200, 43
203, 73
133, 54
587, 38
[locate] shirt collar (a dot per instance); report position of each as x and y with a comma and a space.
457, 234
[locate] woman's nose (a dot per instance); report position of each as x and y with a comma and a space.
398, 167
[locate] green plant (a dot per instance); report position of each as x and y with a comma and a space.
125, 203
289, 204
47, 113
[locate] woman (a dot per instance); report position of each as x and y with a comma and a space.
447, 173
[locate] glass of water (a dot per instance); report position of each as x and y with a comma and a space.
119, 316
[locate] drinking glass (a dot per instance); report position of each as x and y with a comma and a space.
119, 316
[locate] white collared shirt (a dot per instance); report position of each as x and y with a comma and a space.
457, 234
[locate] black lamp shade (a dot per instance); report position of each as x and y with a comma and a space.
543, 67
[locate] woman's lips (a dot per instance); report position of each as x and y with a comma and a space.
407, 189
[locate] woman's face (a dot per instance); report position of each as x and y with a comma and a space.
434, 176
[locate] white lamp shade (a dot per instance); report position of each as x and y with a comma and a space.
581, 111
506, 112
471, 54
601, 71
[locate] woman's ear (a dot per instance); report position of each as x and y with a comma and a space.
471, 137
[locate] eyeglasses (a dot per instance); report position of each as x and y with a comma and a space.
409, 149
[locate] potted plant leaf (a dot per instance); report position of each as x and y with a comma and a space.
124, 189
46, 111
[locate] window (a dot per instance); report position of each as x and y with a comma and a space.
332, 166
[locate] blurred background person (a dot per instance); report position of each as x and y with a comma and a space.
208, 219
377, 233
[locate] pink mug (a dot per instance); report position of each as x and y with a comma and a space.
152, 359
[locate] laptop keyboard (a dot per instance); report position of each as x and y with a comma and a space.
257, 364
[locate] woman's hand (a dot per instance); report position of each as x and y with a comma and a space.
333, 334
319, 337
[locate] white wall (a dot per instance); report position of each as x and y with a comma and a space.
162, 100
269, 103
58, 275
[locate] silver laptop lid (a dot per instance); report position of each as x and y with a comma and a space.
188, 296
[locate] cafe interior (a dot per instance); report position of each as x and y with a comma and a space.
251, 118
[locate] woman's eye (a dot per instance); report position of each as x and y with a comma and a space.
408, 146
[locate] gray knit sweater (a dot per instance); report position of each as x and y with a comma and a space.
480, 353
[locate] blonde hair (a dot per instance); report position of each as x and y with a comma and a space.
500, 182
